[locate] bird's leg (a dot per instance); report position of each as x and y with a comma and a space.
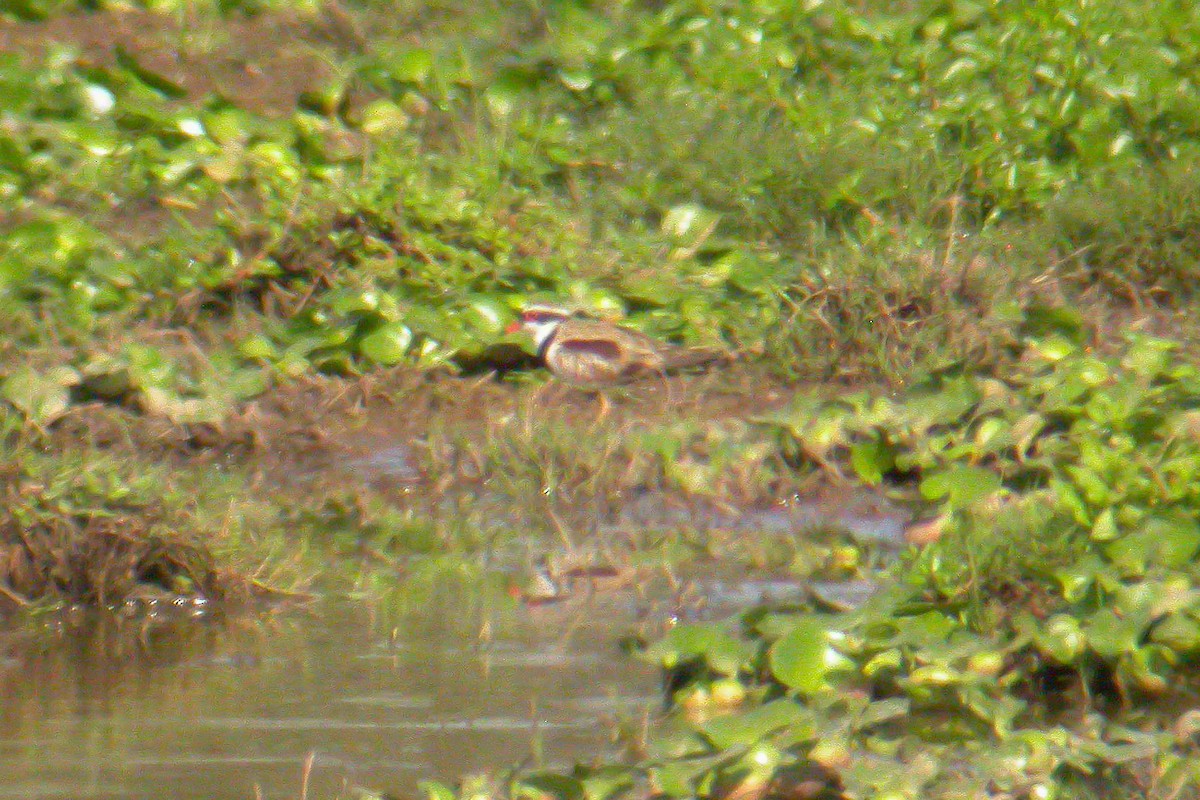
604, 408
529, 405
667, 386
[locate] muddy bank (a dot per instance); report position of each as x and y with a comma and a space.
400, 464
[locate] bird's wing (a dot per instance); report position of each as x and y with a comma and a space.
590, 348
588, 360
634, 345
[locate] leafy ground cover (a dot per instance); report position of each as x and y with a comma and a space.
1043, 646
227, 224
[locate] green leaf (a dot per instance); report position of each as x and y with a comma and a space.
411, 66
486, 317
577, 80
689, 224
998, 709
649, 290
934, 675
436, 790
355, 301
684, 643
383, 117
881, 711
871, 460
159, 83
1148, 356
1104, 529
1179, 632
184, 410
1146, 667
1078, 579
388, 344
504, 94
603, 783
325, 98
1062, 321
674, 778
107, 376
27, 10
744, 729
1161, 540
227, 126
1062, 638
541, 784
149, 367
258, 348
803, 657
945, 405
960, 486
1053, 348
41, 397
1110, 635
244, 384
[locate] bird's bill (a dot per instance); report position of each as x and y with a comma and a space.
513, 327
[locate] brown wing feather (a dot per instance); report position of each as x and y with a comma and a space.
587, 362
595, 348
589, 352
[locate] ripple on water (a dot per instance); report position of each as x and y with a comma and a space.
211, 710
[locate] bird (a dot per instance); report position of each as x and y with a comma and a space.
590, 353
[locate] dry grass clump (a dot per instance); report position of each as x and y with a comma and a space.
78, 538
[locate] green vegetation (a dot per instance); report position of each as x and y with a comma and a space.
797, 182
1040, 647
982, 212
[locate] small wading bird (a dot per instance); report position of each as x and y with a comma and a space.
594, 354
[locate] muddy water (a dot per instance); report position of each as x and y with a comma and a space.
205, 708
228, 709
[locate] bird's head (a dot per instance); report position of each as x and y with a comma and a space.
540, 321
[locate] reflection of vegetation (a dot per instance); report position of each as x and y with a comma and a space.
958, 196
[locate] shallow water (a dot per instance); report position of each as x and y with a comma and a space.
208, 708
867, 519
227, 709
377, 698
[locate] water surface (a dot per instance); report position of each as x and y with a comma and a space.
211, 709
207, 709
